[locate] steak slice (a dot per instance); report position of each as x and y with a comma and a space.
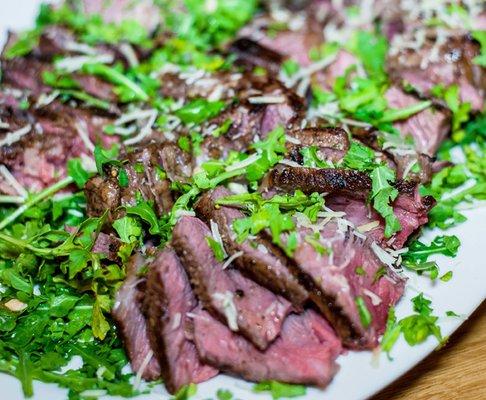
150, 170
245, 306
132, 324
37, 159
320, 180
428, 128
348, 282
446, 64
258, 258
168, 300
410, 208
251, 53
305, 352
332, 143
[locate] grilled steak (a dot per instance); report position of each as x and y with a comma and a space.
132, 324
350, 285
410, 208
245, 306
51, 135
168, 300
424, 69
428, 128
332, 143
258, 258
304, 353
324, 180
148, 169
253, 54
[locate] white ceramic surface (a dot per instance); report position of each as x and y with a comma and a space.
362, 374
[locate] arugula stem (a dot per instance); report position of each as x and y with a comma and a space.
36, 199
117, 78
24, 245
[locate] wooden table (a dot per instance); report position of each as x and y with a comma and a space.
457, 371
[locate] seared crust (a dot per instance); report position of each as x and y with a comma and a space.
268, 266
326, 180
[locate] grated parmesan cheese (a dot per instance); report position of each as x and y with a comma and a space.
15, 305
383, 256
82, 130
267, 100
229, 308
375, 299
217, 236
292, 140
145, 131
46, 99
141, 370
290, 163
368, 227
12, 137
73, 64
12, 181
243, 164
127, 50
232, 258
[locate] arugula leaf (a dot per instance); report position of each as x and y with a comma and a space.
311, 158
359, 157
105, 156
217, 248
224, 394
382, 194
364, 313
26, 42
313, 240
135, 92
199, 110
76, 171
186, 392
371, 48
480, 36
447, 245
146, 212
415, 328
99, 323
128, 229
280, 390
447, 276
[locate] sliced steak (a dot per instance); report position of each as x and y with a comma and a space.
148, 169
168, 300
145, 12
245, 126
350, 285
132, 324
410, 208
332, 143
428, 128
245, 306
444, 62
320, 180
253, 54
305, 352
258, 258
107, 245
25, 73
52, 136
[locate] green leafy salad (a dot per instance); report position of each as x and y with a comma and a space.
93, 83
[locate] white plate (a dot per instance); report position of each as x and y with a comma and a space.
361, 374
